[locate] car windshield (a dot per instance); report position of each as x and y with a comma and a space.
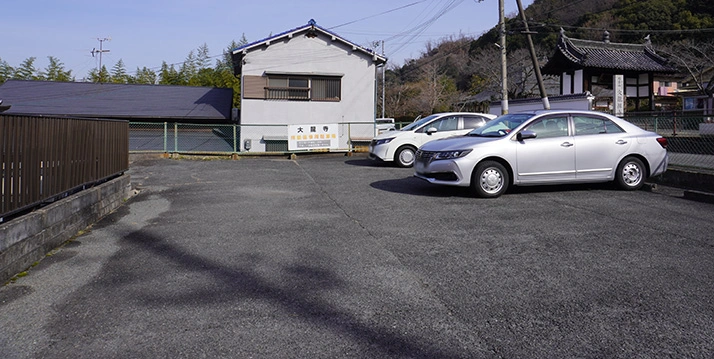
418, 123
501, 126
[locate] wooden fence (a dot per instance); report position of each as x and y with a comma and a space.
46, 158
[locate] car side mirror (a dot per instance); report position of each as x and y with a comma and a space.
431, 130
524, 135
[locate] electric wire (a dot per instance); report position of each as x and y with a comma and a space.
373, 16
411, 34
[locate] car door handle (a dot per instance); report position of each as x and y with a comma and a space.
621, 142
566, 144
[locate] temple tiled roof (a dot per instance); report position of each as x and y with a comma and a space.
573, 54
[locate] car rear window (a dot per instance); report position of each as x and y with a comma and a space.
592, 125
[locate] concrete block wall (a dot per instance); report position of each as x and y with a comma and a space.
26, 239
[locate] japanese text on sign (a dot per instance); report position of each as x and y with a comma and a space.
310, 137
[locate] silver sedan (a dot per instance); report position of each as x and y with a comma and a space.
542, 148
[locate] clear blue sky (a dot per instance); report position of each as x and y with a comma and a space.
147, 32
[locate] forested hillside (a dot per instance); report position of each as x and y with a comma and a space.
457, 68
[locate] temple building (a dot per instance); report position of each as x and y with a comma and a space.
616, 74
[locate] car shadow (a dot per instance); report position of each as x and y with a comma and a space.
366, 162
575, 187
417, 187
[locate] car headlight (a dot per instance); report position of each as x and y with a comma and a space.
450, 155
383, 141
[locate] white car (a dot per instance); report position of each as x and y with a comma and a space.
400, 146
544, 148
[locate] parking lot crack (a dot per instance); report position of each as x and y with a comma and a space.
334, 201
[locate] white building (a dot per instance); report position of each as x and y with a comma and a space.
302, 77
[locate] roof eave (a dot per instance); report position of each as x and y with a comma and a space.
311, 26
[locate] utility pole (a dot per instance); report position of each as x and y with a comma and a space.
100, 52
536, 67
504, 67
384, 70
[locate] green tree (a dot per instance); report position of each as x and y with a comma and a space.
168, 75
203, 58
224, 74
145, 76
6, 71
204, 75
188, 69
226, 61
119, 74
228, 52
101, 76
27, 70
55, 71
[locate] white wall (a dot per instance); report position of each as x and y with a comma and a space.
310, 55
567, 84
578, 82
572, 84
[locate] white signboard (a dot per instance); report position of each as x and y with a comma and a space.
618, 83
312, 137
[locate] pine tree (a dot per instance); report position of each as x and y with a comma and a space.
168, 75
119, 75
188, 69
27, 70
225, 76
227, 61
145, 76
6, 71
101, 76
55, 71
203, 58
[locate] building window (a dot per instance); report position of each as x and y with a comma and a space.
326, 89
287, 88
303, 88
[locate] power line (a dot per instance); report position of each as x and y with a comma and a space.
421, 27
567, 5
372, 16
413, 32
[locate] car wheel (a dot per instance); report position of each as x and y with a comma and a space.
405, 156
490, 179
630, 174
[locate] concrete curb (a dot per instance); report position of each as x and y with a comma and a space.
698, 186
699, 196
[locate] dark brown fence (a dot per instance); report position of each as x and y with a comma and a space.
45, 158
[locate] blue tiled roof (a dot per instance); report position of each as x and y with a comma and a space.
126, 101
311, 24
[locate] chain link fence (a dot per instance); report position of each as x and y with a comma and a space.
225, 139
690, 137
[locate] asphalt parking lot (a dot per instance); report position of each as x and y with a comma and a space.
329, 256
